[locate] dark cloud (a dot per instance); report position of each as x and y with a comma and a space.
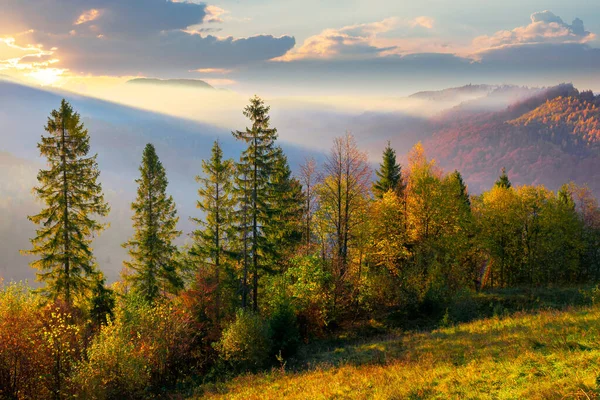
570, 57
124, 37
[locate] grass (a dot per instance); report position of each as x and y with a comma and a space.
547, 355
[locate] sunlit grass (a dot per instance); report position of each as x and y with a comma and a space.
548, 355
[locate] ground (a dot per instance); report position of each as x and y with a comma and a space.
541, 355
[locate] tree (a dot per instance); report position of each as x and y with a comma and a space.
216, 202
284, 230
389, 175
72, 196
462, 192
503, 181
256, 165
342, 194
308, 175
155, 220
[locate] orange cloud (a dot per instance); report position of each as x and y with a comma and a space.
364, 41
422, 21
88, 16
545, 27
214, 71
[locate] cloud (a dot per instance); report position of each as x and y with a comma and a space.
221, 71
134, 37
213, 14
88, 16
356, 41
545, 27
422, 21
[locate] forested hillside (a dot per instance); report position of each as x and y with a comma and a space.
275, 260
547, 139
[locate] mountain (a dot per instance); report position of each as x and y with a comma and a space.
452, 94
550, 139
185, 83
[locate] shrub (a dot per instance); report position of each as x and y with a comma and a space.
245, 342
23, 364
114, 367
284, 333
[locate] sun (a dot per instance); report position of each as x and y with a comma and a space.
47, 76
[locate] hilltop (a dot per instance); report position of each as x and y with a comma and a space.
185, 83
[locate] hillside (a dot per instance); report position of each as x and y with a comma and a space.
550, 355
186, 83
548, 139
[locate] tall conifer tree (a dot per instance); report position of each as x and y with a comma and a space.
155, 220
503, 181
256, 164
216, 202
287, 208
389, 175
72, 196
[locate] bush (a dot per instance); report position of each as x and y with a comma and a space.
114, 368
245, 342
285, 336
21, 373
146, 349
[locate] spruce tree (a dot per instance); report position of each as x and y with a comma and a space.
72, 196
389, 175
461, 187
503, 181
284, 231
211, 243
151, 247
256, 164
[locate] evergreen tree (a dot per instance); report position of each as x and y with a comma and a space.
287, 208
503, 181
155, 220
389, 175
102, 302
462, 192
216, 202
72, 196
256, 164
565, 197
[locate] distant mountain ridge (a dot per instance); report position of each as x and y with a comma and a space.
451, 93
188, 83
550, 138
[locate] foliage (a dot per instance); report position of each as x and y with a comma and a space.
72, 196
545, 355
155, 220
245, 343
389, 175
211, 249
23, 363
283, 331
253, 188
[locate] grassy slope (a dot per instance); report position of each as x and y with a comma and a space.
550, 354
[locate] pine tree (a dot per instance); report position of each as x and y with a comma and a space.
462, 193
256, 164
155, 220
284, 230
216, 202
503, 181
72, 196
389, 175
102, 302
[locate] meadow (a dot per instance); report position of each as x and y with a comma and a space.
548, 354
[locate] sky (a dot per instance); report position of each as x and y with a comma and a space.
302, 48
